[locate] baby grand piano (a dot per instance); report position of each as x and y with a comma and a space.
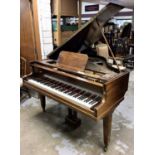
77, 77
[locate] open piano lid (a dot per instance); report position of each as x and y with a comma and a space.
88, 34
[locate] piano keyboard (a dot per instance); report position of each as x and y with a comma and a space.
69, 92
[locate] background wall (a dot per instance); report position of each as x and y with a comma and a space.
120, 20
45, 26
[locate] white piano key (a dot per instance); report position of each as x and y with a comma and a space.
60, 93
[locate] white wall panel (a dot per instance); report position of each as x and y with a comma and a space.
45, 26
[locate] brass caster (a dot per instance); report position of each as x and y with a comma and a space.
105, 148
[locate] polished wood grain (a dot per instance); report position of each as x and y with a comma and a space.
94, 74
22, 66
65, 74
72, 61
36, 29
107, 123
29, 32
114, 93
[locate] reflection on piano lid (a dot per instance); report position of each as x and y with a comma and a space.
88, 34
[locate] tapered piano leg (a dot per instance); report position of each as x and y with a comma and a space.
70, 112
107, 121
43, 101
72, 119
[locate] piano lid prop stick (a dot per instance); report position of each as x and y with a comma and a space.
102, 32
110, 49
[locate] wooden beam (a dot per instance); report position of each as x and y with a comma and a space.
79, 12
36, 29
59, 22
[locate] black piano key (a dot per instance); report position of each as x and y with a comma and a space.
76, 95
52, 84
91, 97
92, 102
77, 92
83, 96
88, 99
55, 86
80, 97
72, 91
42, 82
69, 90
46, 83
80, 93
49, 80
59, 86
66, 89
61, 89
97, 99
58, 83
